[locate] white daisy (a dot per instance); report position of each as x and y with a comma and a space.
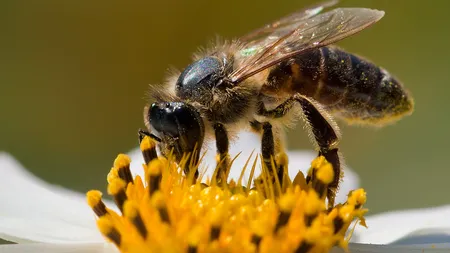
47, 218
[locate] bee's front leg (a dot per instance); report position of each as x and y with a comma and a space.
223, 157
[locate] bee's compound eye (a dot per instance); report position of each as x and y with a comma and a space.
162, 119
179, 121
199, 78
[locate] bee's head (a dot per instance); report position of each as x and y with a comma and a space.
178, 125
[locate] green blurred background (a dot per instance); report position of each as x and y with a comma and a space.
74, 76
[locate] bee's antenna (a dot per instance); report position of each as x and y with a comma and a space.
142, 133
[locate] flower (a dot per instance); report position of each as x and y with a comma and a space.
167, 211
33, 211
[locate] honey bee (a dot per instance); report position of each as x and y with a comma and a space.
283, 71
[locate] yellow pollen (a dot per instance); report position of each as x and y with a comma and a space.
113, 174
314, 204
357, 197
156, 166
122, 161
318, 162
93, 197
167, 211
326, 174
157, 200
147, 143
148, 148
115, 186
130, 209
287, 202
104, 225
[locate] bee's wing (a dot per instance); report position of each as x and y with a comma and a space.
302, 14
298, 35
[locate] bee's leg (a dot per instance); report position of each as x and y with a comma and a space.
323, 129
267, 141
268, 150
256, 126
223, 158
271, 147
142, 133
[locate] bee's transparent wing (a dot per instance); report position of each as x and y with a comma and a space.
298, 35
295, 17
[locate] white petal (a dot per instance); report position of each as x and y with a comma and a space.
108, 248
33, 210
373, 248
246, 143
136, 162
58, 248
428, 225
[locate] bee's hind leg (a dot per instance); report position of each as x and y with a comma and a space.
323, 129
223, 157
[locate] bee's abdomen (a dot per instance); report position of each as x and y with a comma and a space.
345, 84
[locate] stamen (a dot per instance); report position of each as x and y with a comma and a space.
107, 228
215, 232
215, 217
122, 163
116, 188
282, 161
357, 198
277, 179
256, 239
304, 247
155, 168
286, 204
112, 175
244, 168
131, 211
171, 211
194, 237
94, 199
148, 148
159, 203
252, 174
192, 249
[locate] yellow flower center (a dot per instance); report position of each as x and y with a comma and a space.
171, 212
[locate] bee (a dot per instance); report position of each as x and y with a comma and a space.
266, 79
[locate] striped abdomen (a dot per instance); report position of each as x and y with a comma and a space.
346, 85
